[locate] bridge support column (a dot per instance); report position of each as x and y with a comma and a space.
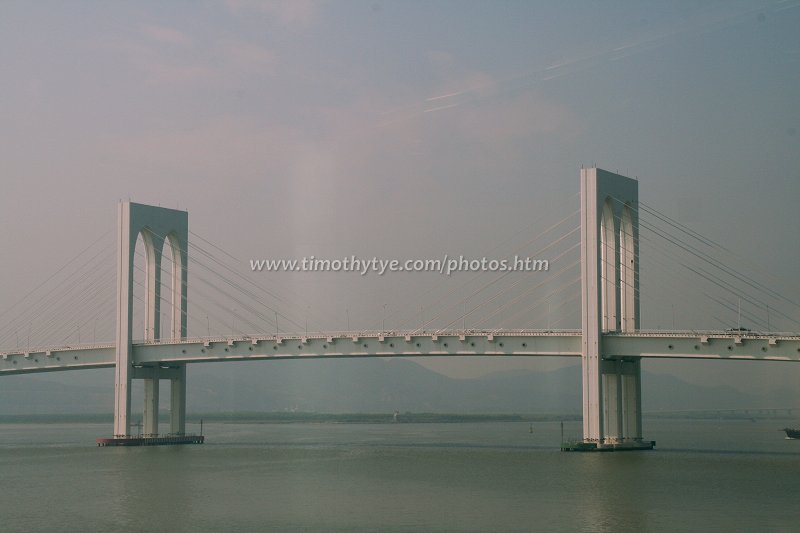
632, 408
610, 303
178, 402
151, 400
158, 227
122, 401
612, 400
622, 400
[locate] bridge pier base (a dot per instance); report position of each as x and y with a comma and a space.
152, 376
622, 400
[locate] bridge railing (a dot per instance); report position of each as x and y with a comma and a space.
57, 348
708, 333
730, 333
370, 334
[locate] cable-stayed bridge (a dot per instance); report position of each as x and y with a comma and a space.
606, 275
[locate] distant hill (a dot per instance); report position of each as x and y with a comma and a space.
375, 385
361, 386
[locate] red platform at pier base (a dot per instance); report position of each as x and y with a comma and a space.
151, 441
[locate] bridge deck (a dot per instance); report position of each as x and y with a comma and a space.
528, 343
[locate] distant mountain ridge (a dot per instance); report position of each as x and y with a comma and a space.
363, 386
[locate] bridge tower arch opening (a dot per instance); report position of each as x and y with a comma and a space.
146, 320
608, 266
629, 270
175, 250
610, 303
157, 227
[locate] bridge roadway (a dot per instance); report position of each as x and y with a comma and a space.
564, 343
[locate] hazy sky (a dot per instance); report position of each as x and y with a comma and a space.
403, 129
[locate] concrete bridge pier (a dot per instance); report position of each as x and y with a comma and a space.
622, 400
152, 377
177, 424
151, 401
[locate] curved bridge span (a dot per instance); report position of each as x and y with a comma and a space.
412, 343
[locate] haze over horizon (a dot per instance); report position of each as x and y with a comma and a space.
408, 130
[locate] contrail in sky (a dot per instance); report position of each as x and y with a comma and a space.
573, 66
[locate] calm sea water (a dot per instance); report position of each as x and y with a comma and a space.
704, 476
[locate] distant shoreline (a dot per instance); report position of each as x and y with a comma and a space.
301, 417
282, 417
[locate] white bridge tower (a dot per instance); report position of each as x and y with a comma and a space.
158, 227
612, 397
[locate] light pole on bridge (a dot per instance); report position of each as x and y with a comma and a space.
739, 325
